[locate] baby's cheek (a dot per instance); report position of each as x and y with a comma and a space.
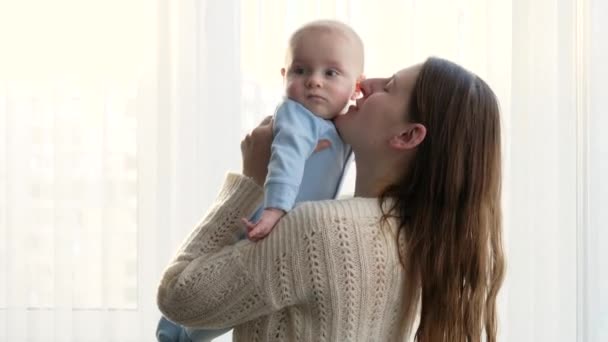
293, 92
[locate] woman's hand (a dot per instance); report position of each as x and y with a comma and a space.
255, 150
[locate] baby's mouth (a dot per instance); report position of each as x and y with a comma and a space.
315, 97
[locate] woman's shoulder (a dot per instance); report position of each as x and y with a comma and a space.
359, 205
352, 226
327, 212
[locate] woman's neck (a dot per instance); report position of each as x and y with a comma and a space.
375, 176
371, 182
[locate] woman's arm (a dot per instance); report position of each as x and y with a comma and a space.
217, 281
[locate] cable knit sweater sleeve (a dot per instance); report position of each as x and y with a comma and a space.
217, 280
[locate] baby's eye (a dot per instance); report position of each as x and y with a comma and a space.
331, 73
297, 70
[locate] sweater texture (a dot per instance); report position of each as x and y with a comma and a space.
329, 271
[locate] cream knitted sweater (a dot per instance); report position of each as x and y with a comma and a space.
328, 272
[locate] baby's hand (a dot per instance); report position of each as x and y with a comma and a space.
259, 230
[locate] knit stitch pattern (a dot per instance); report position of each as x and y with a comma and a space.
329, 271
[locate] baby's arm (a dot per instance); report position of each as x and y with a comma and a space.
271, 216
259, 230
295, 136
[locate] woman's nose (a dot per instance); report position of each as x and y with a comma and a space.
370, 85
366, 87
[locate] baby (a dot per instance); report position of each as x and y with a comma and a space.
323, 66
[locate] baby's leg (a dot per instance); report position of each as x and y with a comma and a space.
205, 335
167, 331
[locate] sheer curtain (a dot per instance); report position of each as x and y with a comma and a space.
117, 124
594, 261
556, 159
541, 172
118, 120
69, 119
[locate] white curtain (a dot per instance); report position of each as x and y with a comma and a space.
593, 276
541, 173
117, 123
118, 120
557, 156
70, 177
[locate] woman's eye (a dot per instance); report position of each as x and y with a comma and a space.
387, 86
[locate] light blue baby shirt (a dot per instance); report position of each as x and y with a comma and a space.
295, 173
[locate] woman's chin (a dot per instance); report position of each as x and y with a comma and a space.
344, 117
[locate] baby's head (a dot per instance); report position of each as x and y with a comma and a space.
324, 62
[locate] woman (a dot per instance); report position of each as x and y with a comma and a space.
420, 241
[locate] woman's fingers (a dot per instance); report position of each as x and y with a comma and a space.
255, 150
266, 120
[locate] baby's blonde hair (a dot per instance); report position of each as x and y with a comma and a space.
329, 26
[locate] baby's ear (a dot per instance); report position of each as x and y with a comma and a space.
357, 94
283, 72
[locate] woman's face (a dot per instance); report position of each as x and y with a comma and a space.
381, 113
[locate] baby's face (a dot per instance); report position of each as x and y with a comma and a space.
322, 72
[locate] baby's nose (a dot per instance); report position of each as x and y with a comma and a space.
313, 80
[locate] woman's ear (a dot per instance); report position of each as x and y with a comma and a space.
409, 138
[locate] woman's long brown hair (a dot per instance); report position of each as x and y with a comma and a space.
449, 206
